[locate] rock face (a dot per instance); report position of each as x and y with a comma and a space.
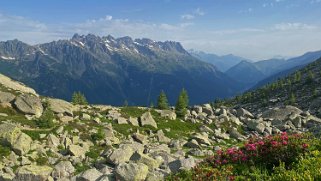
147, 119
9, 83
244, 113
133, 121
182, 164
6, 97
120, 155
256, 125
63, 169
61, 106
145, 159
33, 173
168, 114
131, 172
22, 144
11, 135
281, 113
77, 150
29, 104
89, 175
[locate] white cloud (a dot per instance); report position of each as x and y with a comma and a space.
199, 12
292, 26
193, 15
187, 16
249, 10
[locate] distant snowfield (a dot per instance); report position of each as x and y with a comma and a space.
7, 58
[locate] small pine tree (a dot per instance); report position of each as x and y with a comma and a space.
125, 103
79, 98
315, 92
162, 102
185, 97
310, 77
298, 76
292, 99
181, 104
151, 105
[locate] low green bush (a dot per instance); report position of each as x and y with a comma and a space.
46, 120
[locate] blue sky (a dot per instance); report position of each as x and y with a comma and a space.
255, 29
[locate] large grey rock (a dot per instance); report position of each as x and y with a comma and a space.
9, 83
113, 114
63, 169
5, 176
6, 97
78, 151
29, 104
192, 144
156, 175
198, 109
133, 121
244, 113
22, 144
61, 106
147, 119
218, 134
85, 117
89, 175
201, 138
207, 109
121, 120
120, 155
53, 141
236, 135
109, 131
281, 113
204, 128
182, 164
255, 125
33, 173
161, 137
11, 135
145, 159
297, 122
131, 172
140, 138
168, 114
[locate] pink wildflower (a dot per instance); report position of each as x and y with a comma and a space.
230, 151
260, 143
304, 145
274, 143
250, 147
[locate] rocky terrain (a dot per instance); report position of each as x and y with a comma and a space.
50, 139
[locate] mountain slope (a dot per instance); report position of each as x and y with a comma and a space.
269, 70
245, 72
109, 70
223, 63
302, 88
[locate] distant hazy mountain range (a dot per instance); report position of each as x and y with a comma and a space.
111, 70
250, 73
223, 63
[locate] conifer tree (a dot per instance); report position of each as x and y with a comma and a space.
79, 98
292, 99
181, 104
162, 102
